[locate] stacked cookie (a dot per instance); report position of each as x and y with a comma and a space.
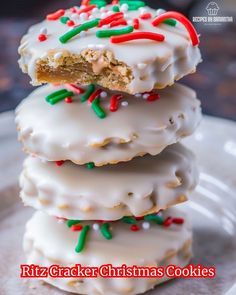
99, 202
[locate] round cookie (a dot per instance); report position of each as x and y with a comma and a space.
74, 131
48, 242
144, 185
48, 56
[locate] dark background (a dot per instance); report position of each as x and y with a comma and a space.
215, 80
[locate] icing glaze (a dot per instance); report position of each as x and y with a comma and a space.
46, 242
152, 64
109, 192
73, 132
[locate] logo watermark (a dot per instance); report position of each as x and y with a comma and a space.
212, 16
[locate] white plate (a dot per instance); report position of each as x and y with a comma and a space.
212, 209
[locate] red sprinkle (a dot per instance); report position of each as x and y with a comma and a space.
74, 88
119, 22
86, 9
136, 23
60, 163
68, 99
168, 221
85, 2
94, 95
181, 18
134, 227
139, 218
56, 15
70, 23
42, 37
114, 102
136, 36
110, 18
178, 220
146, 16
114, 2
153, 97
73, 9
76, 227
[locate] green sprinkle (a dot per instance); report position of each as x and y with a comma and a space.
116, 8
64, 19
133, 5
105, 231
88, 92
72, 222
60, 97
109, 33
54, 94
85, 26
129, 220
99, 3
82, 239
97, 109
90, 165
155, 218
170, 22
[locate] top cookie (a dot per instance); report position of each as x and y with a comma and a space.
126, 47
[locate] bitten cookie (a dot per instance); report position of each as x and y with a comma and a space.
126, 48
144, 185
104, 127
140, 243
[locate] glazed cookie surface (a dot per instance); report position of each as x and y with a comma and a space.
144, 185
48, 242
89, 54
83, 132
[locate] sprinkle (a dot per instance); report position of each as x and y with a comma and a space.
160, 11
114, 102
56, 93
76, 89
105, 231
110, 18
56, 98
82, 239
120, 22
124, 7
124, 103
153, 97
76, 227
96, 226
85, 2
181, 18
83, 16
70, 23
171, 22
133, 5
146, 16
75, 31
56, 15
68, 99
178, 220
168, 221
42, 37
138, 95
136, 23
43, 31
64, 19
90, 89
95, 10
94, 95
73, 9
153, 217
86, 9
129, 220
97, 109
60, 163
103, 94
90, 165
145, 96
114, 2
71, 222
146, 225
116, 8
136, 36
134, 227
98, 3
109, 33
58, 55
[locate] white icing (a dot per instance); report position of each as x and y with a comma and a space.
47, 242
109, 192
166, 61
73, 132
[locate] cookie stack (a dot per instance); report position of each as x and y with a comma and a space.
105, 167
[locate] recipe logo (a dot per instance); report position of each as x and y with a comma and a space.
212, 18
123, 271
